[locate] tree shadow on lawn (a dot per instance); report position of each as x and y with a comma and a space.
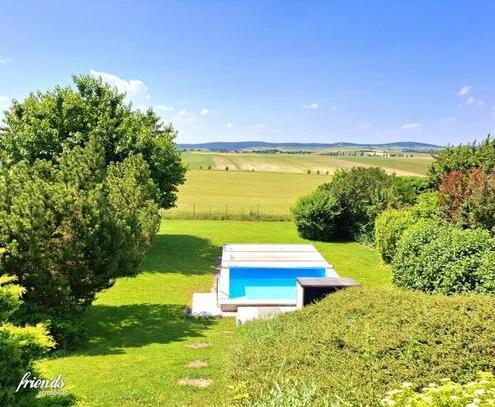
184, 254
110, 329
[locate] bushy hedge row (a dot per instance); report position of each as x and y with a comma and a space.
443, 258
357, 344
346, 207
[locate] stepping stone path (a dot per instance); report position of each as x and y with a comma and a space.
201, 383
197, 345
196, 364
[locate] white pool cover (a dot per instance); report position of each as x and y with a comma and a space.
266, 256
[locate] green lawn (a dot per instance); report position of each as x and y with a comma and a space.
136, 350
226, 193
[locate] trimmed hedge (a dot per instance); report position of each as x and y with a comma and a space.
442, 258
358, 343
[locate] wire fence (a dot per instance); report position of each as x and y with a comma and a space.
227, 212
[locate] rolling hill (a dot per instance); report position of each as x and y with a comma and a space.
243, 145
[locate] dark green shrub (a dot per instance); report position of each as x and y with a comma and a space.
68, 231
462, 158
442, 258
19, 346
317, 216
358, 196
357, 344
389, 227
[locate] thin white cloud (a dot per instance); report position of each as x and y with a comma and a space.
6, 60
229, 125
334, 107
448, 120
411, 126
464, 90
473, 101
164, 108
204, 112
363, 125
185, 116
313, 106
135, 89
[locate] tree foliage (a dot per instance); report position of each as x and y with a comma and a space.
462, 158
68, 230
468, 199
47, 124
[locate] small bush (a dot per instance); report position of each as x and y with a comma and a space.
317, 216
442, 258
358, 343
19, 346
389, 227
479, 393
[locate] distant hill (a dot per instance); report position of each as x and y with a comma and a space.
246, 145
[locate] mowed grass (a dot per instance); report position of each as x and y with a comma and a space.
135, 352
226, 193
301, 163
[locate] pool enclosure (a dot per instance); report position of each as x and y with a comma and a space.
266, 274
260, 280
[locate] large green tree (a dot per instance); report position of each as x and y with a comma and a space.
82, 179
46, 124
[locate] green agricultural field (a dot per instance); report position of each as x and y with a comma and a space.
136, 348
301, 163
227, 194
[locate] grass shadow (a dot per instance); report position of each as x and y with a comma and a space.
181, 254
110, 329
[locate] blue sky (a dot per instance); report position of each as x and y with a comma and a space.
357, 71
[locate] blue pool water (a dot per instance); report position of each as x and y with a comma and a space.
268, 283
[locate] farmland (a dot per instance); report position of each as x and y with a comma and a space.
226, 194
265, 186
302, 163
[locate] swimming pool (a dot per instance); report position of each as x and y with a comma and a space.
263, 283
